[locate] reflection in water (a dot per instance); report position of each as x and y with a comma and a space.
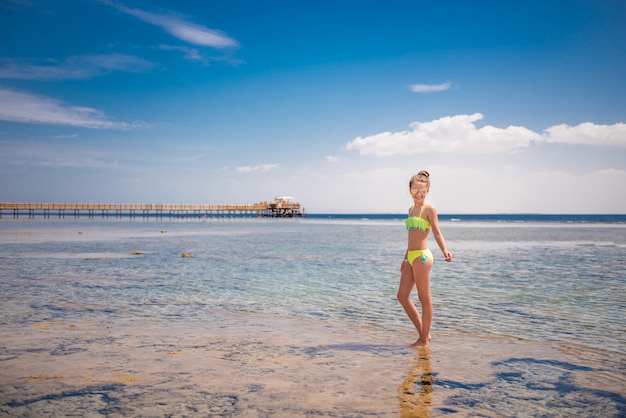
415, 392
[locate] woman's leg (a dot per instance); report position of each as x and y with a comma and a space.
421, 274
404, 296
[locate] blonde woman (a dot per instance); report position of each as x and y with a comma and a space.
418, 259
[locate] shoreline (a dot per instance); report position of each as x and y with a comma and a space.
252, 365
471, 218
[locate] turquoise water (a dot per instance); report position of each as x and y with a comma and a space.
542, 282
557, 283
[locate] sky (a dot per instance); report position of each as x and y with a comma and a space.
513, 107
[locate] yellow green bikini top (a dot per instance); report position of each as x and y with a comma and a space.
417, 222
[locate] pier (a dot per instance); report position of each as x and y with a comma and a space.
281, 207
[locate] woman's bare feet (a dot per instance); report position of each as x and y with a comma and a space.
420, 343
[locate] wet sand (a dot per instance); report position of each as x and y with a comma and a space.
251, 365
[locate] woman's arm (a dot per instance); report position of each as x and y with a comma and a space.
441, 242
406, 253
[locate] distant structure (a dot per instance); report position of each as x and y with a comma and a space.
284, 207
280, 207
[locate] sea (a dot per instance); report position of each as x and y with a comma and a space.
263, 317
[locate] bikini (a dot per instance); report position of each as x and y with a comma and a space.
414, 223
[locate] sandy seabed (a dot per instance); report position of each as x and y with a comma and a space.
252, 365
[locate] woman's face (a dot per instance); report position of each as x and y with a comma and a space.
419, 191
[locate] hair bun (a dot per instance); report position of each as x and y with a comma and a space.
423, 173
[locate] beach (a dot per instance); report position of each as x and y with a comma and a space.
255, 366
282, 318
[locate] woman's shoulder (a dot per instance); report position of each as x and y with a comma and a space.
429, 208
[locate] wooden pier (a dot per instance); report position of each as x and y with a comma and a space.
279, 208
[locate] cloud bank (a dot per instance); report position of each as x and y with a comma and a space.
588, 133
22, 107
459, 134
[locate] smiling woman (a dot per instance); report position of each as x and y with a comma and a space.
418, 259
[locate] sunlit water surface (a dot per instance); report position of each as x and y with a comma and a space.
545, 283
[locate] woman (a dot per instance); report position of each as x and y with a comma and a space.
418, 259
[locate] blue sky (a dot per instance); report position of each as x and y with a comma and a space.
512, 106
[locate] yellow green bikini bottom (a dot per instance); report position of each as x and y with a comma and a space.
425, 255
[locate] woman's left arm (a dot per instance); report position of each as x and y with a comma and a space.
441, 242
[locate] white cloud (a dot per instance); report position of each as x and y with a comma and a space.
254, 168
448, 134
28, 108
588, 133
185, 31
76, 67
190, 54
332, 158
459, 134
429, 88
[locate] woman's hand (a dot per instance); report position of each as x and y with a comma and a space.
447, 256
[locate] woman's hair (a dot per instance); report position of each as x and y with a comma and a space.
421, 177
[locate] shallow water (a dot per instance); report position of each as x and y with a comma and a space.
299, 317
